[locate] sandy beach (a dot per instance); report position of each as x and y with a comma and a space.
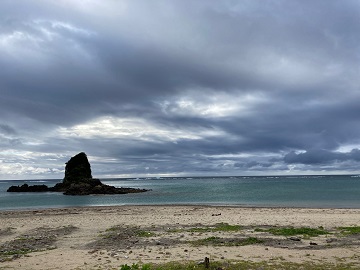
108, 237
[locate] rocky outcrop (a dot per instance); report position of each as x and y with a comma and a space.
27, 188
77, 181
87, 186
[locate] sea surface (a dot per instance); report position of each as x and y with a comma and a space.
335, 191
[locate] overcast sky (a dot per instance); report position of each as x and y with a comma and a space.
173, 87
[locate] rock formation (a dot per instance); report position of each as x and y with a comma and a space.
77, 181
78, 167
27, 188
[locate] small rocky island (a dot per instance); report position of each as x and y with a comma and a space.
77, 181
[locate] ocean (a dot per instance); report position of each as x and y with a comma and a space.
334, 191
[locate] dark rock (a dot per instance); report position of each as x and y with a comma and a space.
27, 188
77, 181
293, 238
331, 240
94, 186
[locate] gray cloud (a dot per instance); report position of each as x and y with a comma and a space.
168, 87
7, 130
321, 156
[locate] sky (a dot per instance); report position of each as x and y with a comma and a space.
179, 88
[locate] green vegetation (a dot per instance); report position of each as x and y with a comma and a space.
350, 230
136, 267
8, 254
219, 227
290, 231
144, 234
15, 252
217, 241
125, 232
242, 265
40, 239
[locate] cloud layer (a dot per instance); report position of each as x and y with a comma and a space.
179, 87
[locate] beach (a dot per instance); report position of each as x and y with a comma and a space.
110, 236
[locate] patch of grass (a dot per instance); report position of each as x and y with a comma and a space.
208, 241
350, 230
144, 234
40, 239
15, 252
125, 232
112, 229
251, 241
218, 241
136, 267
242, 265
225, 227
175, 230
260, 230
25, 238
219, 227
290, 231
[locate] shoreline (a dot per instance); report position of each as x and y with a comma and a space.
177, 205
88, 237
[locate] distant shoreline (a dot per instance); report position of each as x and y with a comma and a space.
99, 207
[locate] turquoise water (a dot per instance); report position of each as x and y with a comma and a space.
283, 191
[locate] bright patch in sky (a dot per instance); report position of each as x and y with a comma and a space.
133, 128
214, 106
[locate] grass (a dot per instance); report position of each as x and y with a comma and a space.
15, 252
24, 245
291, 231
242, 265
135, 267
7, 255
127, 231
350, 230
219, 227
144, 234
217, 241
38, 240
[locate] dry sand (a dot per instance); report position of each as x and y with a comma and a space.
79, 238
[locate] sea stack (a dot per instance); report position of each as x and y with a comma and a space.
78, 179
78, 167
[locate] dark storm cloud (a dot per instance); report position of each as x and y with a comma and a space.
288, 124
321, 156
222, 87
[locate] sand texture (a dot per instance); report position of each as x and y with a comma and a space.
107, 237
